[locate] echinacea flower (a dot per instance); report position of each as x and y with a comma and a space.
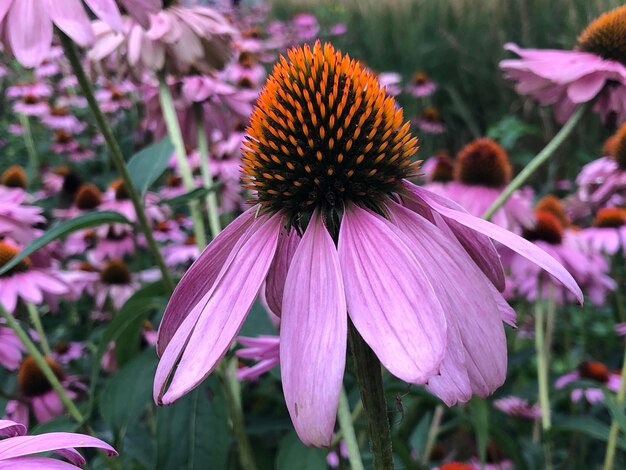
27, 281
328, 157
28, 24
16, 448
519, 407
595, 70
594, 371
608, 233
482, 171
37, 395
11, 348
264, 350
429, 121
421, 85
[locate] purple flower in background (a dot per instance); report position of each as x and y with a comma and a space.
420, 85
519, 407
594, 371
417, 275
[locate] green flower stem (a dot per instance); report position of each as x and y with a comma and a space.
542, 375
228, 382
115, 154
173, 129
433, 433
31, 150
369, 376
207, 176
347, 428
609, 457
36, 321
43, 365
536, 162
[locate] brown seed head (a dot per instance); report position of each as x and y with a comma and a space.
31, 380
483, 162
610, 217
547, 228
116, 272
606, 35
88, 197
15, 177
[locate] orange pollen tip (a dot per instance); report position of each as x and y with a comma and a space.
483, 162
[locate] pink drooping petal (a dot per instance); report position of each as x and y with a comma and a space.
275, 283
108, 12
389, 297
313, 335
29, 33
70, 17
519, 245
466, 296
200, 277
35, 463
4, 8
477, 245
226, 308
25, 445
141, 9
586, 88
10, 428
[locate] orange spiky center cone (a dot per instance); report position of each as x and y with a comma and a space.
31, 380
553, 205
547, 228
483, 162
610, 217
14, 177
605, 36
324, 132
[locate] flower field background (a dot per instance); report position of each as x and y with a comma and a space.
129, 143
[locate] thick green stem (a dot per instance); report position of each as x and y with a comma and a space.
370, 380
116, 155
31, 150
43, 365
609, 457
207, 176
233, 403
36, 321
173, 129
542, 374
536, 162
347, 428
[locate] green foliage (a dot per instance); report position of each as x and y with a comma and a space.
146, 166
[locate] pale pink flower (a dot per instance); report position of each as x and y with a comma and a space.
608, 233
430, 121
594, 371
60, 118
306, 26
264, 350
421, 85
519, 407
391, 82
11, 348
16, 448
567, 78
28, 24
420, 284
181, 253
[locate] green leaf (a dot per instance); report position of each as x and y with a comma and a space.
146, 166
64, 228
617, 411
480, 421
294, 454
197, 193
194, 431
127, 393
586, 425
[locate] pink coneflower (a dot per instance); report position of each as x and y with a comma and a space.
86, 199
430, 121
111, 281
566, 78
114, 243
608, 233
65, 352
587, 266
246, 68
482, 171
181, 253
60, 118
11, 348
63, 142
30, 99
421, 85
112, 98
17, 217
179, 39
391, 82
16, 448
28, 24
264, 350
116, 199
518, 407
306, 26
594, 371
37, 395
26, 281
414, 272
620, 329
438, 169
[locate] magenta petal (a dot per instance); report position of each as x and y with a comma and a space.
225, 308
25, 445
10, 428
35, 463
390, 299
108, 12
141, 9
70, 17
518, 244
200, 277
29, 33
275, 283
477, 245
313, 335
476, 341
